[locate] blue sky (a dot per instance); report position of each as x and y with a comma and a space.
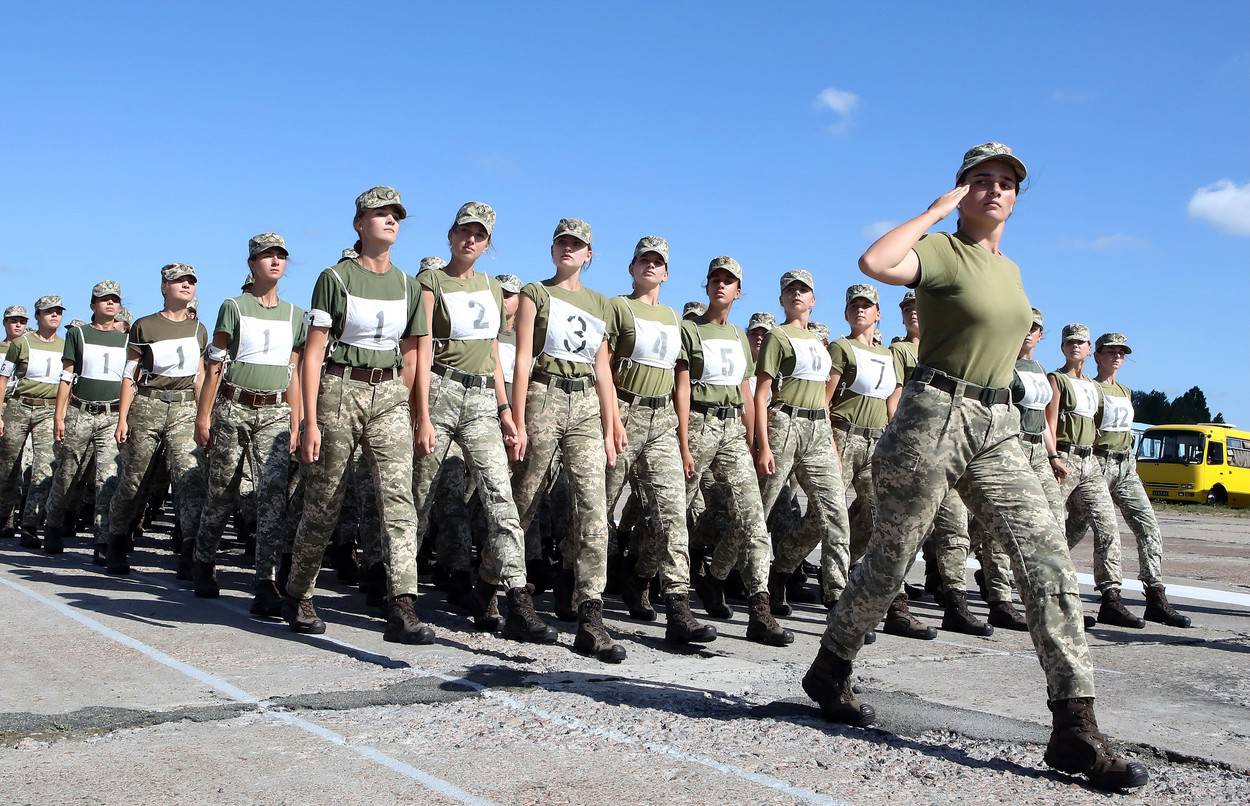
140, 134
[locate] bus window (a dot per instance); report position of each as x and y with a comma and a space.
1215, 453
1239, 452
1172, 447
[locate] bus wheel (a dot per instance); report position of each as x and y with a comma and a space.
1218, 495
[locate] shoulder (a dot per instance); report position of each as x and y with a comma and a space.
535, 291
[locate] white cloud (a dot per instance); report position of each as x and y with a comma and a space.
1117, 242
876, 229
842, 103
1225, 205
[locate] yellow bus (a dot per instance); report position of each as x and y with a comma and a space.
1203, 463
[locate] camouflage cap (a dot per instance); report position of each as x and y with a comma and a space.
878, 338
728, 264
380, 196
124, 315
1113, 340
862, 291
431, 263
1075, 332
476, 212
194, 304
16, 312
75, 323
173, 271
266, 240
49, 301
106, 288
990, 151
693, 307
247, 281
651, 243
797, 276
573, 226
1038, 319
510, 283
908, 299
820, 329
762, 319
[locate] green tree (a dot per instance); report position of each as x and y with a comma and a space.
1219, 418
1151, 407
1190, 407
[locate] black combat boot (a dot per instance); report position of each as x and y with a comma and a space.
28, 540
302, 616
284, 571
636, 593
828, 682
523, 622
682, 627
460, 590
1076, 746
797, 589
761, 626
99, 553
375, 586
1006, 616
52, 542
186, 560
712, 591
979, 576
1113, 612
900, 621
403, 625
592, 636
958, 618
267, 601
204, 577
777, 593
870, 637
1158, 608
486, 616
563, 595
115, 561
345, 565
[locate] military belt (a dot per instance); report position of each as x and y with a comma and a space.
363, 374
567, 384
249, 398
858, 430
719, 412
1076, 450
36, 401
1115, 456
1032, 439
798, 411
467, 379
642, 400
96, 407
168, 396
986, 395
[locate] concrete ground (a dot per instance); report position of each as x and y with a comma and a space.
130, 690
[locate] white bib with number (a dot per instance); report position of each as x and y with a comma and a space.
176, 358
100, 363
374, 324
811, 360
1037, 391
1085, 394
474, 315
874, 374
656, 344
1117, 413
572, 334
265, 341
724, 363
507, 360
43, 366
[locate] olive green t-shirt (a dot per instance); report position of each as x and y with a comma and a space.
98, 358
1031, 393
870, 374
719, 359
1079, 401
1115, 417
36, 364
907, 356
796, 359
468, 314
646, 341
168, 351
368, 314
569, 326
261, 340
12, 387
973, 310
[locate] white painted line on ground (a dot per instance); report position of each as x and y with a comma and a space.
239, 695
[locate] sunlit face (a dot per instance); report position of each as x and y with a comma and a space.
14, 327
269, 265
570, 253
510, 304
911, 319
1075, 351
1110, 358
1031, 340
861, 314
797, 298
180, 290
649, 269
992, 189
722, 287
49, 318
379, 225
106, 307
468, 240
755, 338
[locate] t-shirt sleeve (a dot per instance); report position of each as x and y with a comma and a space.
899, 369
73, 352
416, 312
839, 357
746, 351
201, 333
937, 267
770, 357
138, 341
300, 324
227, 319
328, 300
689, 346
616, 323
428, 281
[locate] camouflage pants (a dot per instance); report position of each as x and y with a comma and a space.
1130, 498
720, 447
568, 424
376, 419
358, 517
855, 451
87, 436
951, 541
446, 510
652, 461
937, 441
22, 420
261, 436
1085, 492
805, 447
785, 518
468, 417
151, 423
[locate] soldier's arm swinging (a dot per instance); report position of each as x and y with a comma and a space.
310, 386
62, 403
207, 393
420, 398
521, 372
681, 404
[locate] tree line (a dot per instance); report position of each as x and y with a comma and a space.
1154, 408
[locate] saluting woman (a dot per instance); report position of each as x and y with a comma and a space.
955, 427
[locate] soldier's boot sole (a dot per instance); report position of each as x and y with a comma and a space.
1079, 758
